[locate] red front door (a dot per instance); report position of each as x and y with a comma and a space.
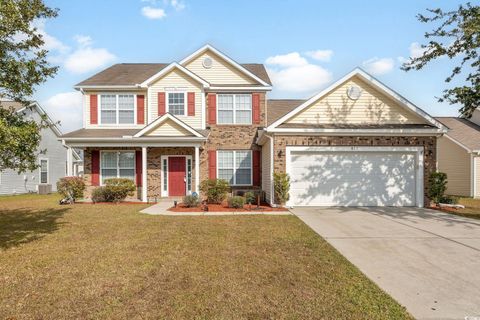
176, 176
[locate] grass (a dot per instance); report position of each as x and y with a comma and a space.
109, 261
472, 208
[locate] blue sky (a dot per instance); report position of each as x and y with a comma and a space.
306, 45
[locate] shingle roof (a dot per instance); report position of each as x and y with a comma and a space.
129, 74
277, 108
463, 131
357, 126
110, 133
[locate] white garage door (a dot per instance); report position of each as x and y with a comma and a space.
363, 177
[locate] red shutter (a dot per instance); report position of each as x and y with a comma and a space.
138, 167
191, 103
95, 167
256, 167
212, 108
140, 109
212, 164
93, 109
256, 108
161, 103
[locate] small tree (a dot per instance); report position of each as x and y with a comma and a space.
71, 187
438, 185
281, 187
215, 190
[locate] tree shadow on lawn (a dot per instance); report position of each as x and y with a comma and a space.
23, 225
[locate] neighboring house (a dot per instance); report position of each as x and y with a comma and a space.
459, 155
52, 163
170, 126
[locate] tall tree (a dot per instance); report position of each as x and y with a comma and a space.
23, 66
456, 35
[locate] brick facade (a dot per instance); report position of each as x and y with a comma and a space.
428, 143
231, 137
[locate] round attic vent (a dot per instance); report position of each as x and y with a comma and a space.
354, 92
207, 62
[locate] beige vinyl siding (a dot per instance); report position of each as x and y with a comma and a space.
475, 117
373, 107
266, 170
178, 81
86, 109
476, 176
221, 71
456, 163
169, 128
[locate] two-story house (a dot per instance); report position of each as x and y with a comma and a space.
170, 126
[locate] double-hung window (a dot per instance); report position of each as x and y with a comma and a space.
115, 164
117, 109
234, 108
235, 166
176, 103
43, 171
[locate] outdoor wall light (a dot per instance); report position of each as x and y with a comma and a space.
280, 153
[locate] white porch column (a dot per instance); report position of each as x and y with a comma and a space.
69, 162
144, 174
197, 170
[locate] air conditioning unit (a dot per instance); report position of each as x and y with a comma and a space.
44, 188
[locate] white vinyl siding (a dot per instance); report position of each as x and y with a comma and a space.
117, 108
115, 164
235, 166
234, 108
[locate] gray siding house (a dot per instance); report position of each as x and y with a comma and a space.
53, 163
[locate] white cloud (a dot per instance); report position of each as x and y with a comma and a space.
88, 59
177, 5
83, 41
293, 59
153, 13
320, 55
379, 66
65, 107
416, 50
292, 73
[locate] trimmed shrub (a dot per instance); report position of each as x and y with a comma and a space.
117, 189
191, 201
250, 197
437, 186
98, 195
281, 187
236, 202
71, 187
215, 190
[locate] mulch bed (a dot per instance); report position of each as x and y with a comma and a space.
224, 208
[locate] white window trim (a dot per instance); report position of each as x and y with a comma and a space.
235, 167
40, 171
235, 109
117, 111
164, 175
418, 151
118, 168
185, 102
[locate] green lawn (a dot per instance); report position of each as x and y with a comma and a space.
109, 261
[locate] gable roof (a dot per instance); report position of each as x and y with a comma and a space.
165, 117
246, 69
463, 132
370, 80
169, 68
123, 74
277, 108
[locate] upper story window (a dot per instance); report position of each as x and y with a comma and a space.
117, 109
234, 108
176, 103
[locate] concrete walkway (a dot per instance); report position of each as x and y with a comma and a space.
427, 260
161, 208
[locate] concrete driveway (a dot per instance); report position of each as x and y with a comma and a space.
427, 260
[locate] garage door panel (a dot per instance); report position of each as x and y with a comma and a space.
352, 178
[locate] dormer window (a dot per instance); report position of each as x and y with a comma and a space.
117, 109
